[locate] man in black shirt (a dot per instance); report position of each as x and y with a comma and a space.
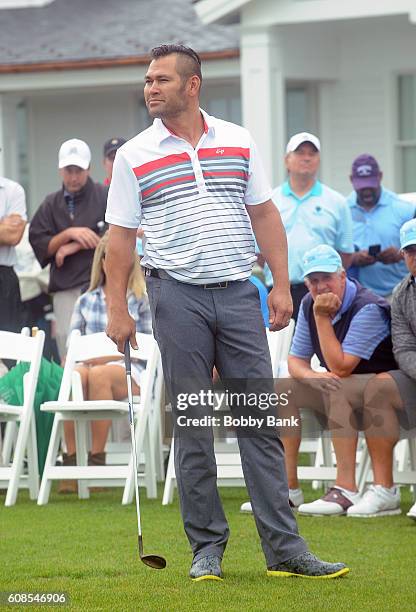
65, 231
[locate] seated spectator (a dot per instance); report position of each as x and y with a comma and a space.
104, 377
394, 393
348, 328
377, 216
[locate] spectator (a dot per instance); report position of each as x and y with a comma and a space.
393, 393
104, 377
110, 149
12, 225
377, 215
66, 229
348, 327
312, 213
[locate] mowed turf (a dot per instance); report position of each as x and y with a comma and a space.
88, 549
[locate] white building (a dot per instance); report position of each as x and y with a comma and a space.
343, 69
75, 68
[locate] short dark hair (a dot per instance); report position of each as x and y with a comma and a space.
192, 63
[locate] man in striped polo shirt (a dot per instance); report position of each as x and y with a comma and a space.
196, 186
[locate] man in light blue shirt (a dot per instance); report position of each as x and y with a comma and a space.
311, 212
377, 215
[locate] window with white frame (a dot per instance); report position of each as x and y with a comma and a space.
407, 133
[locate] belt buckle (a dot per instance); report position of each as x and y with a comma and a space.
219, 285
148, 272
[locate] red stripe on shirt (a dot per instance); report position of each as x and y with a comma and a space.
180, 179
162, 162
224, 152
229, 173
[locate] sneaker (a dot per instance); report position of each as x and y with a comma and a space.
334, 503
412, 512
306, 565
295, 500
206, 568
377, 501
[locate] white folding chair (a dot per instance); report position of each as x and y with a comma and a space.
82, 348
227, 456
21, 347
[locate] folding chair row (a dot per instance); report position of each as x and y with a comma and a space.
71, 406
21, 428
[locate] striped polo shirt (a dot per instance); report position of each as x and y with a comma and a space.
191, 203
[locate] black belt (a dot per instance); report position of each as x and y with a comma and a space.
163, 275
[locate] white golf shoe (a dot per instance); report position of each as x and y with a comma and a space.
335, 502
377, 501
295, 497
412, 512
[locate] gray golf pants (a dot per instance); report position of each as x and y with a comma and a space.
198, 328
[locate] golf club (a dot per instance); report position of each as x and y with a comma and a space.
153, 561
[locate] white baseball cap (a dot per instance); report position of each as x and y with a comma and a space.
298, 139
74, 152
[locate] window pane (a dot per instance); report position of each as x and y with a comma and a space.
296, 111
409, 169
407, 107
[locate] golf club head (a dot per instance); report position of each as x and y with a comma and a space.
154, 561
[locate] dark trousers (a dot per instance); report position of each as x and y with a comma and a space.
297, 291
198, 328
10, 301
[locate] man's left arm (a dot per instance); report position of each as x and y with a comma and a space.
271, 238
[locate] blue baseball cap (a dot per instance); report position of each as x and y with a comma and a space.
322, 258
408, 233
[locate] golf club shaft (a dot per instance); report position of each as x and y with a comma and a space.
133, 441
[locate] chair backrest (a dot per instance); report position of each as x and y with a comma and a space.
279, 345
21, 347
90, 346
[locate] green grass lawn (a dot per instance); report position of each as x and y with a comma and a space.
88, 548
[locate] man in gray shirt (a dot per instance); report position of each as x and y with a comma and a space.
392, 395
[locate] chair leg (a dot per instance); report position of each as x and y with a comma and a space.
149, 465
170, 478
19, 454
55, 439
81, 435
9, 442
32, 459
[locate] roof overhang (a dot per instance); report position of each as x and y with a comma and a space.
281, 12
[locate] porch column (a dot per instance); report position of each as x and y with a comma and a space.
263, 97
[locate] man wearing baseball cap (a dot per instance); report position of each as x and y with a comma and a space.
377, 215
348, 328
311, 212
393, 394
66, 229
110, 149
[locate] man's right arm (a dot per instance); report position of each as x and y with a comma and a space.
119, 260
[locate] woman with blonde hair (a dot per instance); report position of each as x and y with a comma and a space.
104, 377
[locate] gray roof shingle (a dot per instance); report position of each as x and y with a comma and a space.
81, 30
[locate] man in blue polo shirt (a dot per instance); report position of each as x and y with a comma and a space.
311, 212
377, 215
348, 328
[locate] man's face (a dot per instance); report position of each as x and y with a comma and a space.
409, 253
326, 282
74, 178
304, 161
164, 89
369, 196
